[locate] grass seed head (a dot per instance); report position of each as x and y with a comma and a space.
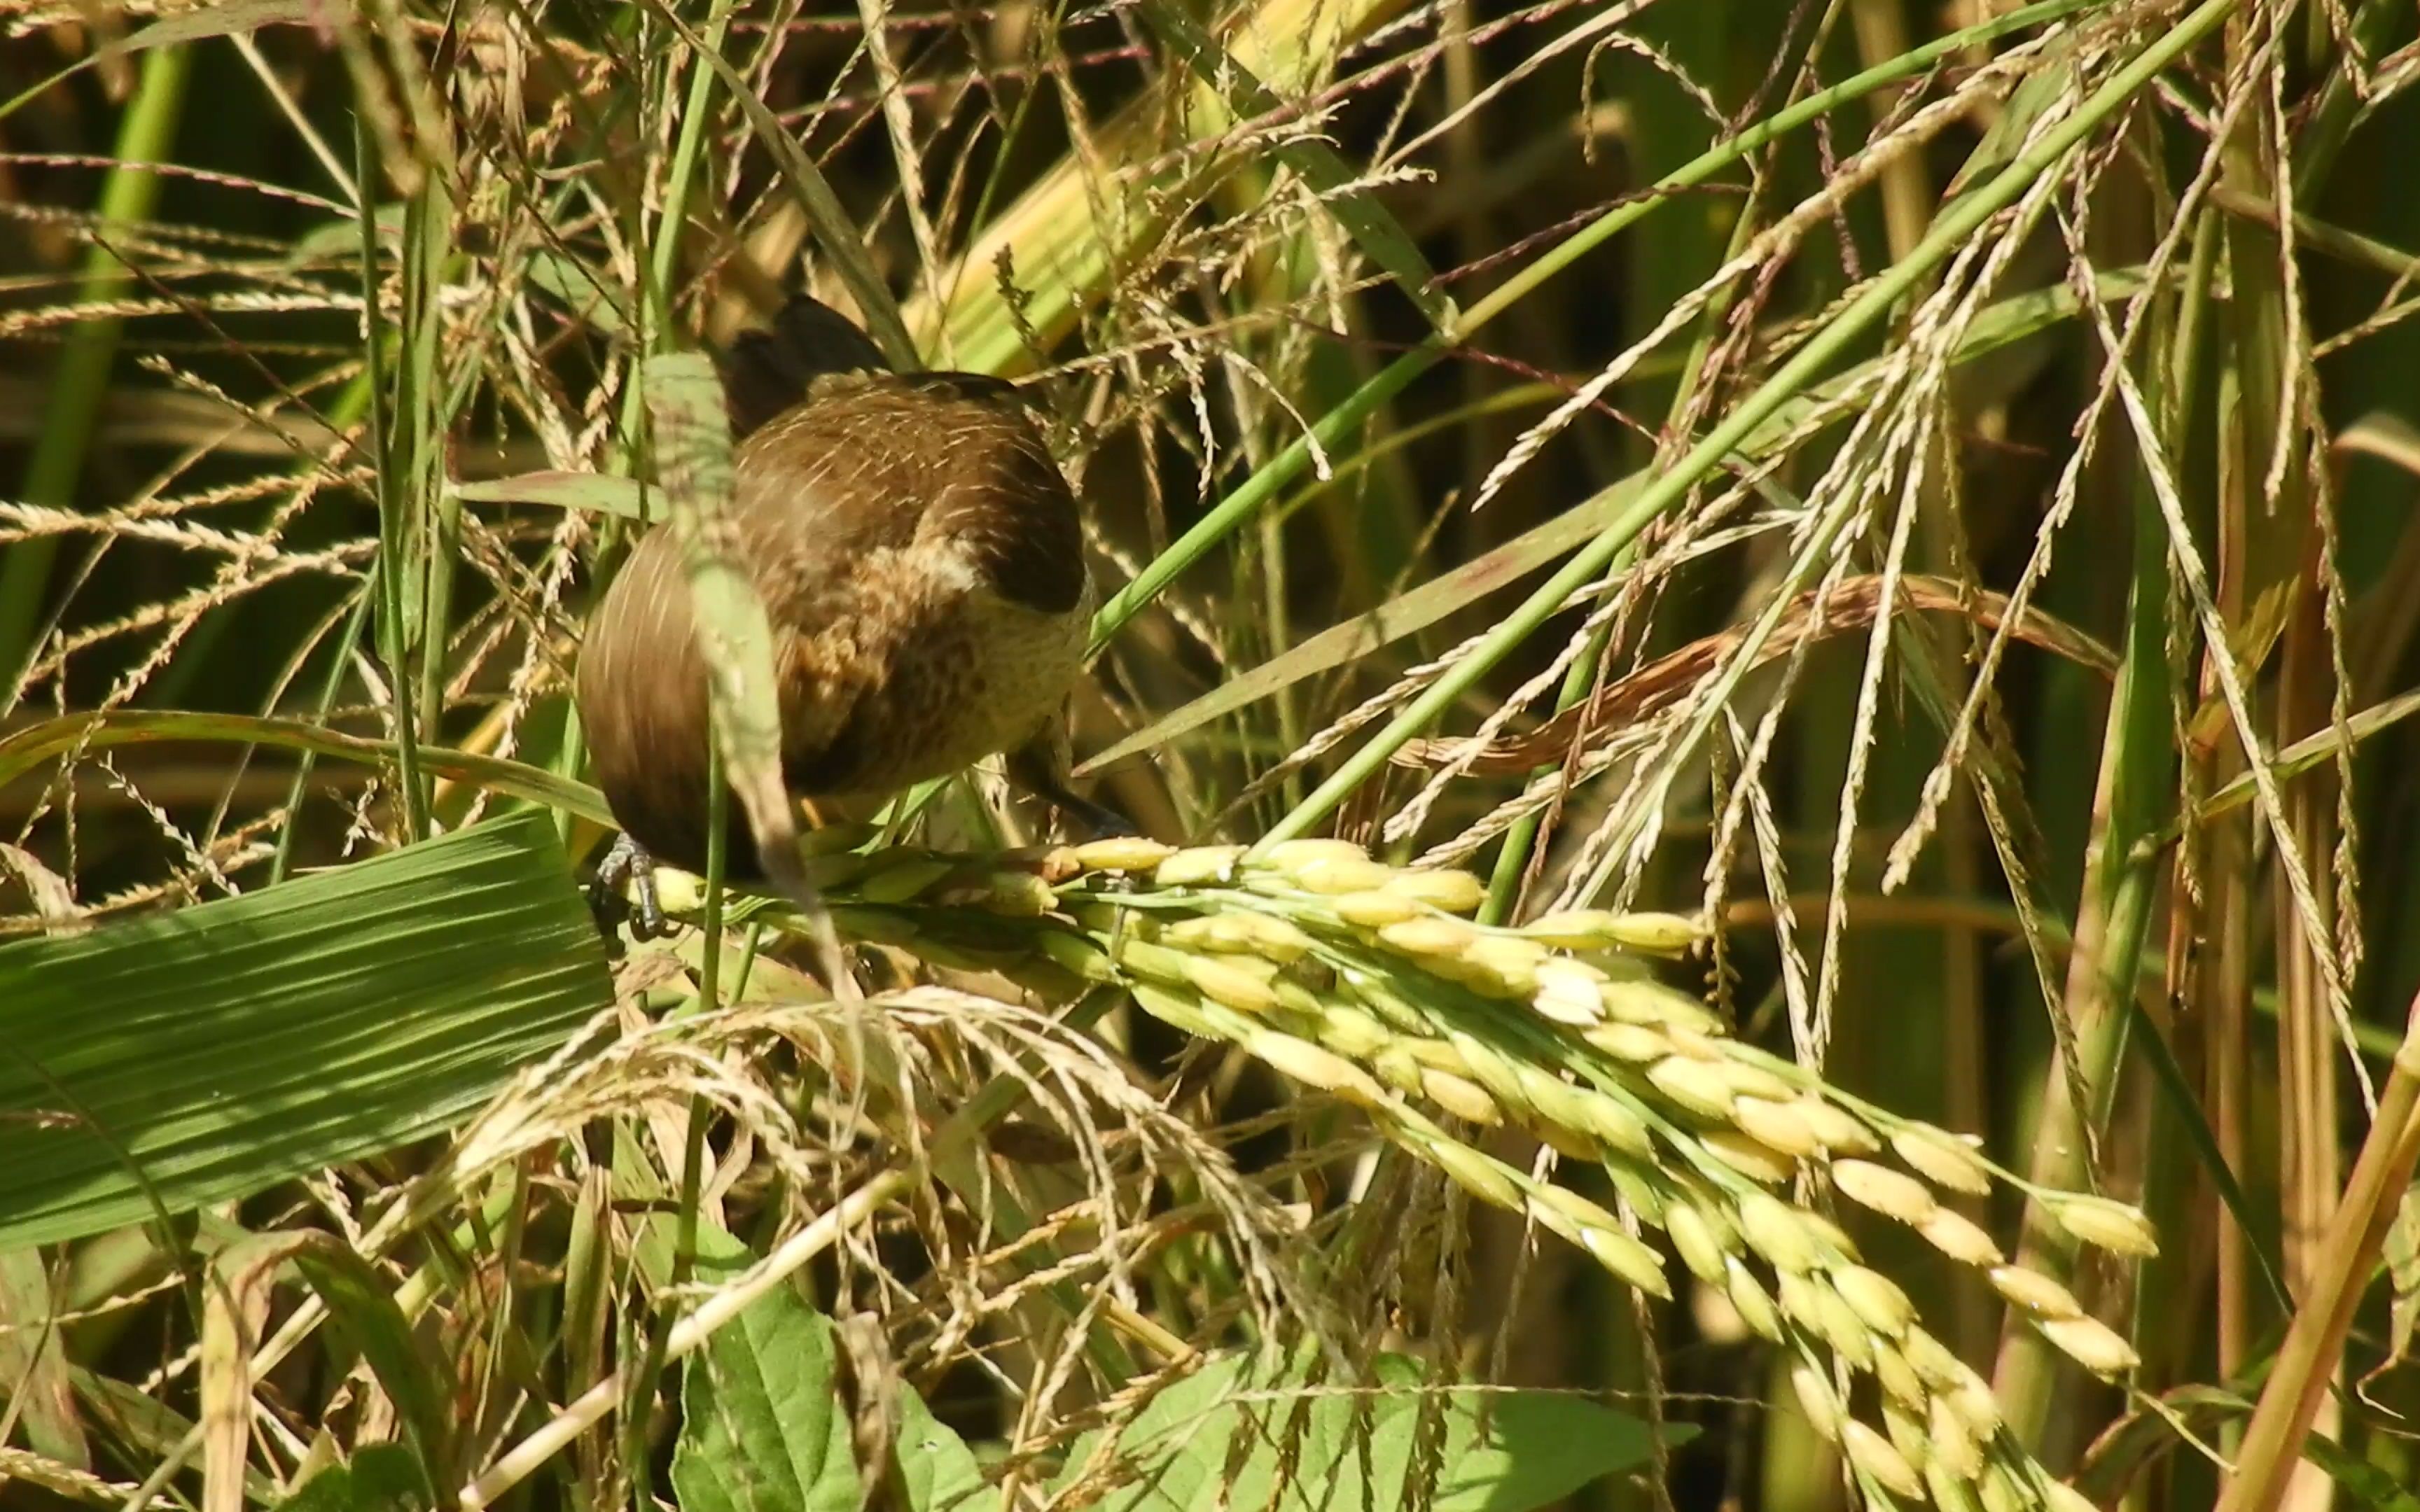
1291, 856
1955, 1236
1695, 1238
1693, 1084
2035, 1292
1462, 1099
1475, 1173
1874, 1455
1123, 852
1197, 865
1757, 1163
1943, 1157
1300, 1061
1906, 1435
1777, 1125
1952, 1441
1875, 1298
1633, 1043
1224, 982
1428, 937
1751, 1300
1817, 1401
1569, 991
1890, 1193
1455, 892
1773, 1230
1898, 1378
1375, 909
2116, 1227
1839, 1326
1754, 1081
1338, 875
2092, 1344
1840, 1132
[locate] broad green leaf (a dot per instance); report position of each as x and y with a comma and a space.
202, 1056
381, 1478
1222, 1436
763, 1427
365, 1311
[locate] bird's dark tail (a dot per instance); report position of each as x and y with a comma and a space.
768, 370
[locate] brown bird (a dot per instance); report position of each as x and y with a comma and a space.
920, 560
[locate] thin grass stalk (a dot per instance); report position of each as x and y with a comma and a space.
80, 379
390, 568
1347, 418
1959, 223
2281, 1420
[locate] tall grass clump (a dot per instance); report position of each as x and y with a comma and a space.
1763, 647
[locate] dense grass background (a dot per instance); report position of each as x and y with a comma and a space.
1959, 535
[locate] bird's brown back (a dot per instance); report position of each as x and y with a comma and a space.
882, 519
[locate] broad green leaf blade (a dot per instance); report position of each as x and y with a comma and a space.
380, 1478
1225, 1435
734, 634
366, 1312
202, 1056
762, 1430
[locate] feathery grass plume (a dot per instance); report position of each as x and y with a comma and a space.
1347, 976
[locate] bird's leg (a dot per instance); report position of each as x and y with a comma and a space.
1040, 767
627, 860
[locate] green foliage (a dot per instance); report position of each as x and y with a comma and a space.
160, 1064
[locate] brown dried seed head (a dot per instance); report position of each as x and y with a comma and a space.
1889, 1193
1944, 1157
2035, 1292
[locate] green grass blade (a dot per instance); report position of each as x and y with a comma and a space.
202, 1056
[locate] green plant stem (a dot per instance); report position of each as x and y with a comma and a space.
1340, 423
1960, 221
79, 383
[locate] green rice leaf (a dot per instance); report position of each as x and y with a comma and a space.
198, 1057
